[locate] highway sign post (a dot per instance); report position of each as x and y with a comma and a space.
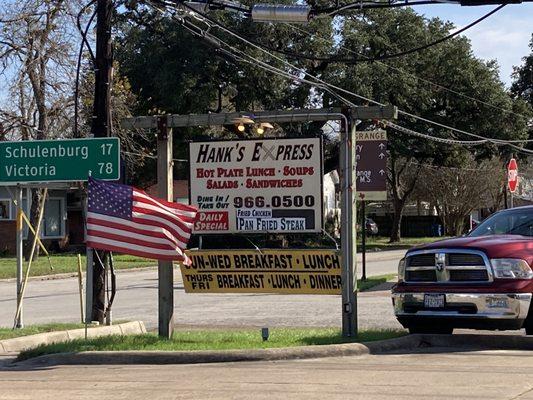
512, 178
64, 160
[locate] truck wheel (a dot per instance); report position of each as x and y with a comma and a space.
529, 329
438, 330
528, 324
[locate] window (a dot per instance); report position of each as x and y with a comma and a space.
5, 210
53, 221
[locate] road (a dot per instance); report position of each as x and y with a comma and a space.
58, 301
439, 374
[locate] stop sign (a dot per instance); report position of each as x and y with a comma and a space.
512, 175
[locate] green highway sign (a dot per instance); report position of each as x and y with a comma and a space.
63, 160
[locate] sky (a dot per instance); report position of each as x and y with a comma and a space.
504, 36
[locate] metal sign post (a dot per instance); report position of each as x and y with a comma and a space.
20, 236
348, 232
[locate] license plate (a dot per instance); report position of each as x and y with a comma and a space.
434, 301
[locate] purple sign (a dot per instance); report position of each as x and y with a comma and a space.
371, 165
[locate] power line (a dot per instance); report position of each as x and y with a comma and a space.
318, 82
399, 128
296, 28
343, 60
84, 42
332, 11
331, 86
434, 138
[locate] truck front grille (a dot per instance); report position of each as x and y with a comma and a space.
447, 266
469, 275
421, 276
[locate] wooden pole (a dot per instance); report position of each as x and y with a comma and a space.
80, 287
165, 268
33, 246
101, 127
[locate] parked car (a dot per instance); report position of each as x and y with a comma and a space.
483, 280
370, 226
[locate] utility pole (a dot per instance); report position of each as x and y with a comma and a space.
348, 231
101, 127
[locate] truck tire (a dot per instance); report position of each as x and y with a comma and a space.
437, 330
528, 324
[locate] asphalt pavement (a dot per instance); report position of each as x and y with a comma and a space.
57, 300
420, 374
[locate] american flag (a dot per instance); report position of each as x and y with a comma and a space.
124, 219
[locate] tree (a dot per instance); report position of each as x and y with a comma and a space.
456, 192
523, 78
174, 71
36, 59
407, 83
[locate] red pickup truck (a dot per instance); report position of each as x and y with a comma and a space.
483, 280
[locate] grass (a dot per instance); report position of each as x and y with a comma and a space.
211, 340
374, 281
377, 243
66, 264
8, 333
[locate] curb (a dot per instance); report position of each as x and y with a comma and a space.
384, 255
410, 343
25, 342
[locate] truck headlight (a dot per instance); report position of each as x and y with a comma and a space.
401, 270
511, 268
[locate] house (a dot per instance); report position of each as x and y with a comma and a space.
62, 223
180, 191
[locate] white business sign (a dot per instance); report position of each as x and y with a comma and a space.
260, 185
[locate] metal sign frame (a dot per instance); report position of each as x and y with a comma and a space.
347, 116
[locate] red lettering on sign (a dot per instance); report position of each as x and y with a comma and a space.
212, 221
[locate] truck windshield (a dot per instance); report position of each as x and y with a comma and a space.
511, 222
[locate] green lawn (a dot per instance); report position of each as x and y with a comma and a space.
373, 281
66, 263
211, 340
8, 333
382, 243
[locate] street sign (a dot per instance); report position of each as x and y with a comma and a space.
64, 160
263, 271
262, 185
371, 165
512, 175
